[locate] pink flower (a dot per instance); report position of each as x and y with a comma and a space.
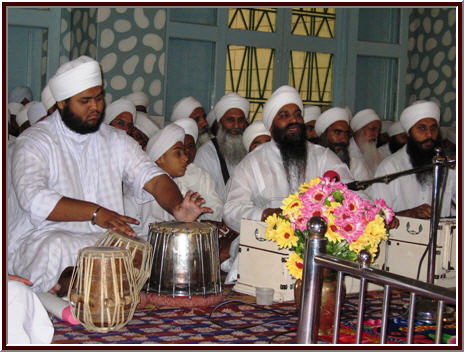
351, 225
314, 195
371, 213
314, 210
353, 202
384, 210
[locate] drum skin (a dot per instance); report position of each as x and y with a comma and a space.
185, 259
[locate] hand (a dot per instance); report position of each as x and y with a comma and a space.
269, 211
423, 211
393, 224
189, 210
20, 279
109, 219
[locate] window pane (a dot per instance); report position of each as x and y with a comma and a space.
191, 15
379, 25
376, 85
311, 74
249, 73
260, 20
313, 22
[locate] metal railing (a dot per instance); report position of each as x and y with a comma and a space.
316, 260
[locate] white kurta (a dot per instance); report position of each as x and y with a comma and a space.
51, 161
384, 150
406, 192
28, 321
208, 159
198, 179
355, 152
260, 182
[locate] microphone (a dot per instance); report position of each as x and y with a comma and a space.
334, 176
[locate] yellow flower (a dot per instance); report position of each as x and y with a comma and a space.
303, 188
292, 206
285, 236
314, 182
332, 230
273, 221
295, 266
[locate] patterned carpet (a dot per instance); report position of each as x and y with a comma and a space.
240, 321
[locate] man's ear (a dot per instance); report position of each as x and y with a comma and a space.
60, 104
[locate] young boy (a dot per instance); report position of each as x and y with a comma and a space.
166, 149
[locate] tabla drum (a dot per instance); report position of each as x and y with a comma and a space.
141, 253
186, 259
103, 292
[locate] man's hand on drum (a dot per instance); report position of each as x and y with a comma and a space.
189, 210
109, 219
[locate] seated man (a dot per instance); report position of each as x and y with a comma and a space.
255, 135
144, 128
140, 101
397, 138
166, 150
333, 130
277, 169
68, 172
220, 155
366, 127
121, 114
411, 195
310, 115
18, 95
383, 134
192, 108
196, 178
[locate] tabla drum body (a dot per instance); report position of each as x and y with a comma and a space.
186, 259
141, 253
103, 292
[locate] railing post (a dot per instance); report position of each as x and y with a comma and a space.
308, 324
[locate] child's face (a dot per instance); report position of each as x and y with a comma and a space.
174, 160
190, 148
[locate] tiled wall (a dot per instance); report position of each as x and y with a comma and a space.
432, 60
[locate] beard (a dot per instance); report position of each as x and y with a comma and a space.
76, 124
314, 140
231, 146
294, 154
394, 145
203, 137
370, 153
342, 153
420, 156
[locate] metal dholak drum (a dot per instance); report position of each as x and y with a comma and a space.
102, 291
141, 252
186, 259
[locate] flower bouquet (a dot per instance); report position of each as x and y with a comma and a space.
353, 224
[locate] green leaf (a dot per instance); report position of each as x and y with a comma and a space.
338, 196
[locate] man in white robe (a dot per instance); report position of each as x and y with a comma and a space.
333, 131
255, 135
411, 195
220, 155
262, 180
397, 138
67, 173
192, 108
310, 115
121, 114
363, 145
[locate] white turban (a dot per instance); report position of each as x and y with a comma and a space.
311, 113
418, 111
252, 131
138, 98
74, 77
22, 114
190, 127
47, 97
159, 120
144, 124
385, 125
362, 118
282, 96
36, 112
395, 129
184, 107
329, 117
350, 113
231, 101
117, 107
14, 108
18, 94
211, 117
164, 139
